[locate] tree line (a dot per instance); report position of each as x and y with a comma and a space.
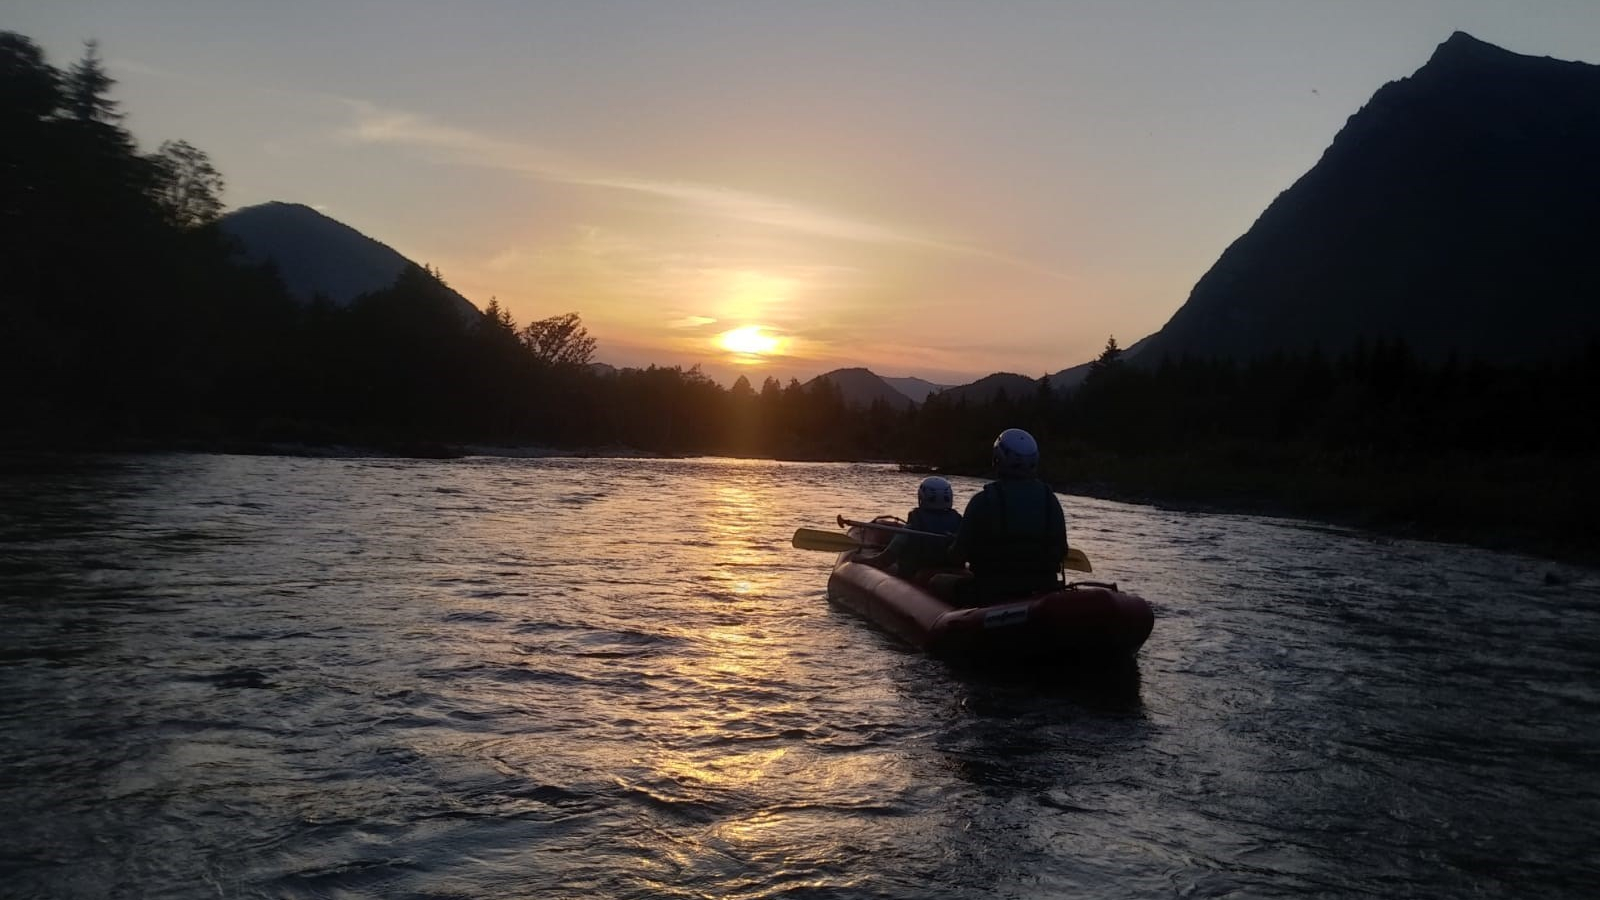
127, 315
1501, 453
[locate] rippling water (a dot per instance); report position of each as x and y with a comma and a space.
227, 676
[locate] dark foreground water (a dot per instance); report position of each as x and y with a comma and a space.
267, 677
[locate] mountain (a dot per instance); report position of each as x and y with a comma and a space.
988, 387
1069, 378
317, 255
861, 387
915, 388
1456, 210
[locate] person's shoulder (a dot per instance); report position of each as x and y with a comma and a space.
983, 499
1053, 500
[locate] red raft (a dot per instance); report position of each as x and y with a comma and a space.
1084, 621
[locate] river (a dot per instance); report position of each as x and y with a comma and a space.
237, 676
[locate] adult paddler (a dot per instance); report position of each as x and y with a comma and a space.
1014, 533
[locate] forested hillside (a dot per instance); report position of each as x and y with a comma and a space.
1455, 211
128, 321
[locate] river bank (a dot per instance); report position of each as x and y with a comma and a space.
1514, 507
1545, 517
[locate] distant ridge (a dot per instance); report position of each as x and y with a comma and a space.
860, 387
987, 388
915, 388
1457, 210
315, 254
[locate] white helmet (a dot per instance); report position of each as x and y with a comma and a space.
934, 493
1016, 453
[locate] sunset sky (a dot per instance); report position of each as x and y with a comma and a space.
934, 189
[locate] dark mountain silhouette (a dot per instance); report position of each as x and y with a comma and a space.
1456, 210
315, 254
1069, 378
987, 388
860, 387
915, 388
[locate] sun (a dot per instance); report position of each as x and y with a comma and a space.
751, 340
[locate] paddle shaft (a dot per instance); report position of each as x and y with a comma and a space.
894, 528
1076, 559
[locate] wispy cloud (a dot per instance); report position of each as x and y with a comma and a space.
381, 126
373, 124
691, 322
128, 66
466, 147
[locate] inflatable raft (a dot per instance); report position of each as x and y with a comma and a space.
1082, 622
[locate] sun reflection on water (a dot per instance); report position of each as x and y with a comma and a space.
735, 523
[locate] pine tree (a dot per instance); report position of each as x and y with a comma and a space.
1110, 358
87, 89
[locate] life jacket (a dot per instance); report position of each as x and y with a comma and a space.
943, 521
920, 552
1014, 549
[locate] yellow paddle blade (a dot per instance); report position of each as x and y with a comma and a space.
817, 539
1077, 560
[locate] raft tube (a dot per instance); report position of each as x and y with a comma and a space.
1081, 622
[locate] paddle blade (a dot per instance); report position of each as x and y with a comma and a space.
817, 539
1077, 560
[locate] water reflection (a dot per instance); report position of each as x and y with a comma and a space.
735, 525
553, 677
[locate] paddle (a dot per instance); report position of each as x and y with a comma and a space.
1076, 559
817, 539
897, 529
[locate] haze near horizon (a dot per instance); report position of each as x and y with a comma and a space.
930, 190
